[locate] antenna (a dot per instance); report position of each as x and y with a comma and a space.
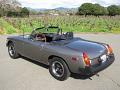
23, 33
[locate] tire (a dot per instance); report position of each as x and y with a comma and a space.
58, 69
12, 52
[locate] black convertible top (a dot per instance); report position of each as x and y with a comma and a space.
52, 33
65, 42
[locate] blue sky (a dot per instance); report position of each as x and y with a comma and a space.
49, 4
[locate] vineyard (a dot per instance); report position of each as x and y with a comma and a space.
67, 23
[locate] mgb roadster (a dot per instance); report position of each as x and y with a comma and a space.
62, 52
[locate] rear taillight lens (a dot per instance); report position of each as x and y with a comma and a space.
109, 49
86, 59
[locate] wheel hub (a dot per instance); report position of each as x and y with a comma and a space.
11, 50
57, 69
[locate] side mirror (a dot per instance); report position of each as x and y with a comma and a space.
31, 38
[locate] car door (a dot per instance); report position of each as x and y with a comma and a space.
34, 49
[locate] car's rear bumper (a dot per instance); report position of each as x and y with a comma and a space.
99, 67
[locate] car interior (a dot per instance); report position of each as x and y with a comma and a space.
50, 36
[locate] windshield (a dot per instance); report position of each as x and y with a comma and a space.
50, 29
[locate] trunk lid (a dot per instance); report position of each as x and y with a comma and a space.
92, 49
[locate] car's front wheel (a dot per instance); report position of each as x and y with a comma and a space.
58, 69
12, 52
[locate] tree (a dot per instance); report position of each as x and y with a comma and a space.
91, 9
24, 12
113, 10
99, 10
9, 5
86, 9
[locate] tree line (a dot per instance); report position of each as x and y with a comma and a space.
12, 8
98, 10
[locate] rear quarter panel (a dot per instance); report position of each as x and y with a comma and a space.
66, 54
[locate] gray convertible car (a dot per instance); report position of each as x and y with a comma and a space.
64, 53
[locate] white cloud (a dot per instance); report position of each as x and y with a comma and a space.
107, 2
63, 3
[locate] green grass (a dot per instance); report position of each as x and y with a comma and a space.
67, 23
6, 28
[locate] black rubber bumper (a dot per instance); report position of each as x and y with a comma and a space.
101, 66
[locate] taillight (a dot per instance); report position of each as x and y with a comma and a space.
86, 59
109, 49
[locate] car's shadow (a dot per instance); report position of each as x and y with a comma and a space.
35, 62
82, 77
73, 75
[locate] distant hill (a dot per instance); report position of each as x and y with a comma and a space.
38, 10
59, 9
66, 9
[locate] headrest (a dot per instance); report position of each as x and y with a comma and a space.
69, 35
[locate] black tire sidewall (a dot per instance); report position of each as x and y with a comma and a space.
16, 55
66, 70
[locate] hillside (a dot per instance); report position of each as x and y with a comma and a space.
6, 28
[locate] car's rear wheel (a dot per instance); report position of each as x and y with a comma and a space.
12, 52
58, 69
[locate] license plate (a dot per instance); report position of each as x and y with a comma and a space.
103, 58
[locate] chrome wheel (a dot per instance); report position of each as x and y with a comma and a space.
11, 50
57, 69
